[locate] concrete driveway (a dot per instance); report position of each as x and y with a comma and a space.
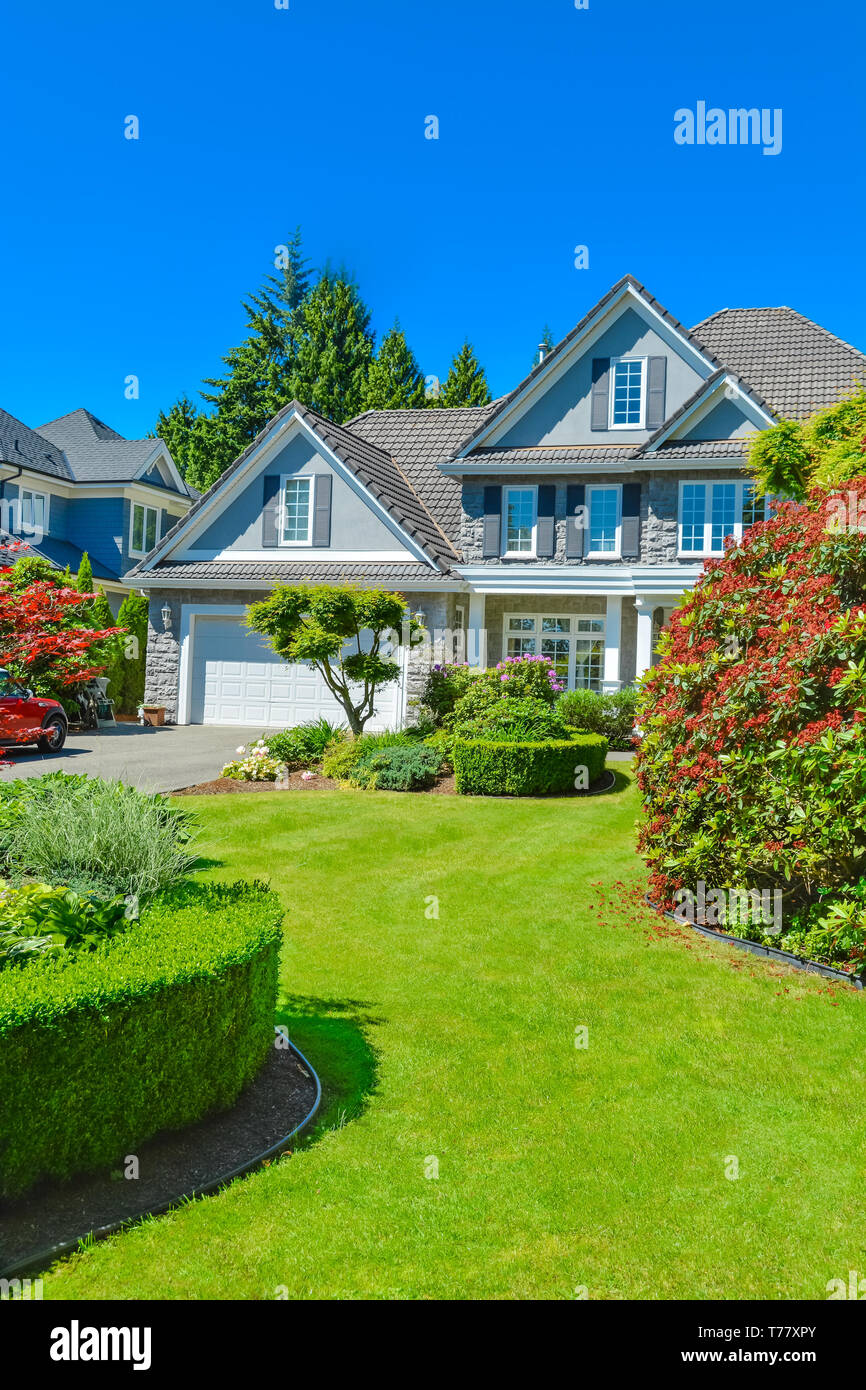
159, 760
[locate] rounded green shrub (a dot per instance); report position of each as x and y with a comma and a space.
155, 1028
556, 766
594, 712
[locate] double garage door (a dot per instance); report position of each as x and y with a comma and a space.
237, 679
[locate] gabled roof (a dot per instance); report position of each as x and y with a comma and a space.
705, 391
98, 454
372, 466
25, 448
553, 357
418, 441
797, 366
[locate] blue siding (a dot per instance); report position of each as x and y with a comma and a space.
96, 524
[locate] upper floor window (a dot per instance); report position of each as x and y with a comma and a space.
297, 527
605, 520
710, 512
144, 529
627, 392
520, 517
34, 512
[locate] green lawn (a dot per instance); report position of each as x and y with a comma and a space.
454, 1039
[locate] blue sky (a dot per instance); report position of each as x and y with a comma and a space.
556, 129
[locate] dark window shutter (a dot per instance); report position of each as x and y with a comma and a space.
545, 533
575, 506
322, 512
492, 541
164, 523
270, 509
631, 520
600, 393
655, 400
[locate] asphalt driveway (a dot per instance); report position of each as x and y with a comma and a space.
154, 759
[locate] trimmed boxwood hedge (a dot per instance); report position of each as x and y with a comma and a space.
151, 1031
483, 768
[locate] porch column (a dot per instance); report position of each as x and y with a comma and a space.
612, 630
644, 636
476, 633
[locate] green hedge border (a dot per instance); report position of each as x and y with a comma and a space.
483, 768
155, 1029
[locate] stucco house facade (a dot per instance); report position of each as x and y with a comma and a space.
566, 518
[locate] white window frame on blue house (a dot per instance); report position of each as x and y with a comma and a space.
714, 520
523, 553
287, 481
617, 362
27, 520
145, 508
608, 553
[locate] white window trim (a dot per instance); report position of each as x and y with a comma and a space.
311, 486
146, 507
519, 554
630, 357
708, 484
572, 635
616, 553
46, 509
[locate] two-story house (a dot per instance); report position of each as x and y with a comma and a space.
76, 485
566, 518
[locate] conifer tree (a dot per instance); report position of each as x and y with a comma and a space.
394, 380
466, 383
84, 581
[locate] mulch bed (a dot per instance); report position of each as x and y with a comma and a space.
443, 785
170, 1166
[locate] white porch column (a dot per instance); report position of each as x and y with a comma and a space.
476, 633
612, 630
644, 636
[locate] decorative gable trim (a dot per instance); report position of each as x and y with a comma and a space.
720, 386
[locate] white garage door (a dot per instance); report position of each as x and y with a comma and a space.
238, 679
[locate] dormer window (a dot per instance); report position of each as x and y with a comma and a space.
627, 393
297, 511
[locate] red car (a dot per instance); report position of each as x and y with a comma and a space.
21, 709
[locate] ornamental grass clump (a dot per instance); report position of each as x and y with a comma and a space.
753, 762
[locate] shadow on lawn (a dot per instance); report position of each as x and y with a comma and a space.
333, 1035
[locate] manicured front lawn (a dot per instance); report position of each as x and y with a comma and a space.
453, 1039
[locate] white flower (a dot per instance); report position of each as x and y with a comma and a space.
241, 749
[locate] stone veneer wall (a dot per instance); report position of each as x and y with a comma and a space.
658, 509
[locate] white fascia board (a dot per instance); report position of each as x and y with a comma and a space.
700, 408
276, 438
580, 579
160, 451
591, 333
575, 467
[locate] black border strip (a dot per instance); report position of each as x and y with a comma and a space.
41, 1259
812, 967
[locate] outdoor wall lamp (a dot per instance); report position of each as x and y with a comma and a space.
166, 616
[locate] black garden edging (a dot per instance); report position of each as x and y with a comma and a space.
40, 1259
812, 967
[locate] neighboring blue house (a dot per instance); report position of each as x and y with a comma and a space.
75, 484
566, 519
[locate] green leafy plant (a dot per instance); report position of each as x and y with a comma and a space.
38, 919
612, 715
444, 686
305, 744
254, 765
524, 719
825, 451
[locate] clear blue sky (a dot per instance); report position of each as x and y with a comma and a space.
556, 129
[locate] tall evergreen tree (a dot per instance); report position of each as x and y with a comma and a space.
84, 581
394, 380
176, 428
466, 383
334, 348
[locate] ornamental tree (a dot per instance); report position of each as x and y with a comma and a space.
40, 644
346, 633
753, 761
824, 451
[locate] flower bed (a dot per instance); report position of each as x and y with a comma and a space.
155, 1028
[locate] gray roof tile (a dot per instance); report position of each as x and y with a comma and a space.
299, 572
19, 445
795, 364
